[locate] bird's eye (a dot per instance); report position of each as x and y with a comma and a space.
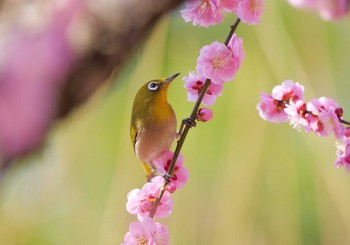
153, 86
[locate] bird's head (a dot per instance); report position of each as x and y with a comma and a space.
155, 90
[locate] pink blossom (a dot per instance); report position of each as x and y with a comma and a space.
328, 121
33, 67
194, 83
229, 5
249, 11
218, 62
304, 3
328, 9
333, 9
271, 110
236, 46
180, 174
146, 232
347, 132
171, 187
204, 114
161, 235
288, 90
141, 202
297, 114
343, 154
202, 12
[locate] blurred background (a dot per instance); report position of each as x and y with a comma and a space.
251, 182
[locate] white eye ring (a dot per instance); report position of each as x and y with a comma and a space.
153, 86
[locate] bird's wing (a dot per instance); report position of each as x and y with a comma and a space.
135, 132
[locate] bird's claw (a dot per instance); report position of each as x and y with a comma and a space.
189, 122
165, 175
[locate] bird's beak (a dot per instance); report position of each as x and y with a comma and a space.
171, 78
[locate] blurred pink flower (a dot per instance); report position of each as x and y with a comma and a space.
249, 11
202, 12
328, 9
204, 114
333, 9
328, 121
343, 153
271, 110
218, 63
194, 84
147, 232
303, 3
180, 174
288, 90
33, 67
347, 132
140, 202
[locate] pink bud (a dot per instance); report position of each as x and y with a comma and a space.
171, 187
339, 112
347, 132
204, 114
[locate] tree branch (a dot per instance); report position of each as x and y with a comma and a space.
54, 61
182, 139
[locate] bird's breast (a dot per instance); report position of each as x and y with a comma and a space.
156, 136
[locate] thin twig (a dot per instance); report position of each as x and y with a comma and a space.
233, 29
344, 121
181, 141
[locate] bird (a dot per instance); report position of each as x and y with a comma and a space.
153, 123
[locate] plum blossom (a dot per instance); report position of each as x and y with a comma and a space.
328, 121
204, 114
249, 11
272, 107
202, 12
219, 62
194, 83
343, 153
146, 232
327, 9
236, 46
271, 110
229, 5
298, 116
140, 202
303, 3
180, 174
288, 90
322, 116
210, 12
333, 9
33, 67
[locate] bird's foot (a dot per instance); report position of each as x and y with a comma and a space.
189, 122
157, 172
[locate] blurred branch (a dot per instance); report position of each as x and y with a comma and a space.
55, 54
116, 41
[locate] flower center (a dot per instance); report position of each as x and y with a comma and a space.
218, 63
166, 168
255, 5
199, 86
147, 204
141, 241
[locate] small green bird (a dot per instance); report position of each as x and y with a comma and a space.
153, 123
